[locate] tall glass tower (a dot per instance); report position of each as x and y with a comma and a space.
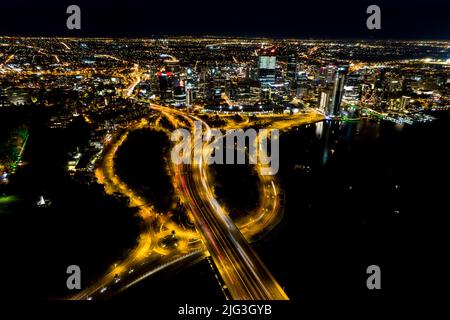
267, 66
338, 90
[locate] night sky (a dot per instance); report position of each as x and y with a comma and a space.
401, 19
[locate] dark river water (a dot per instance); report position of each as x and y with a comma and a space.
358, 194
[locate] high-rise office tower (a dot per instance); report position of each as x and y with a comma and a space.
291, 72
338, 90
327, 74
398, 104
291, 75
172, 65
189, 96
179, 94
165, 84
325, 100
266, 66
404, 102
380, 79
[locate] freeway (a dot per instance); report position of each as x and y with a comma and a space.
147, 258
244, 274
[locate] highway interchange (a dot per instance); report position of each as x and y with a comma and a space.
227, 243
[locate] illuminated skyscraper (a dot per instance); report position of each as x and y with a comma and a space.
338, 90
179, 94
325, 99
267, 67
291, 72
189, 96
165, 84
